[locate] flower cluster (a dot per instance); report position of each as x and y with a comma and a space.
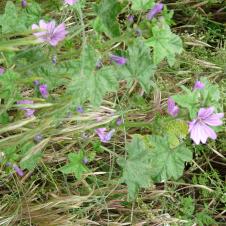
200, 127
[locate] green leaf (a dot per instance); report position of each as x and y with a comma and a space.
92, 84
210, 95
75, 165
167, 163
190, 100
151, 159
4, 118
32, 13
11, 21
165, 44
108, 11
31, 162
9, 89
10, 154
142, 4
139, 66
136, 168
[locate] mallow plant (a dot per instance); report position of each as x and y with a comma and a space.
67, 64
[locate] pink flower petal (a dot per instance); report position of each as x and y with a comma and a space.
173, 109
43, 25
205, 112
195, 135
70, 2
199, 85
214, 119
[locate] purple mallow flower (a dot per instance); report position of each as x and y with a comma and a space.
85, 160
118, 60
36, 82
104, 135
18, 170
2, 70
155, 10
28, 112
49, 32
44, 90
70, 2
23, 3
198, 85
80, 109
173, 109
130, 18
119, 121
200, 129
38, 138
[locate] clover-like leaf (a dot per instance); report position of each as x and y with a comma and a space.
165, 44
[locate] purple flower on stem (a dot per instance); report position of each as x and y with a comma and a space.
23, 3
85, 160
119, 121
104, 135
38, 138
118, 60
198, 85
155, 10
173, 109
25, 102
36, 82
49, 32
2, 70
200, 128
18, 170
44, 90
70, 2
28, 112
80, 109
130, 18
